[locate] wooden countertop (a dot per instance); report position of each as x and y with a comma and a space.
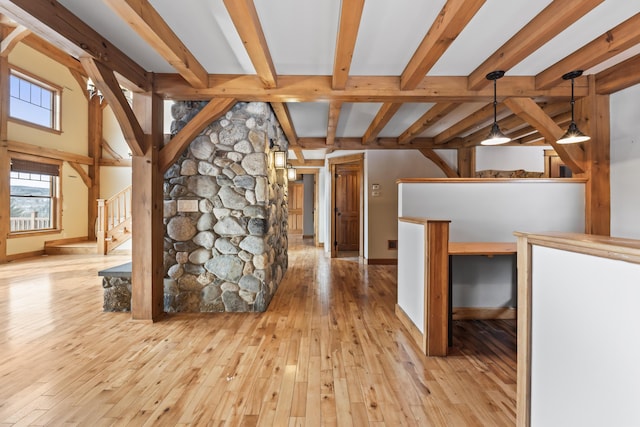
482, 248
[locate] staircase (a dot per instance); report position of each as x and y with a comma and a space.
113, 226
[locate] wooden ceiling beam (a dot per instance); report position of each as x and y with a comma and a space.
10, 41
245, 18
553, 19
428, 119
174, 148
350, 16
385, 113
454, 16
356, 144
606, 46
284, 118
37, 43
334, 117
149, 25
56, 24
618, 77
106, 82
307, 88
298, 152
309, 163
571, 154
438, 161
475, 119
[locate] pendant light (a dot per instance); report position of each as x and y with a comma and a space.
573, 134
495, 137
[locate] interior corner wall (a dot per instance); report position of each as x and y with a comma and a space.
383, 168
625, 162
73, 139
309, 190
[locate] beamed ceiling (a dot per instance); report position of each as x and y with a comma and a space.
355, 74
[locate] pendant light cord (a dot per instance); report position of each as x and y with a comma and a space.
572, 101
495, 101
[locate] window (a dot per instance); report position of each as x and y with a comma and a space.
34, 195
33, 101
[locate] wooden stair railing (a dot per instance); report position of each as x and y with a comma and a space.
114, 221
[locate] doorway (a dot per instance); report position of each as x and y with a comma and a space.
347, 204
296, 207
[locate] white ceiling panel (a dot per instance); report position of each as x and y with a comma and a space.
389, 33
595, 23
310, 119
304, 42
355, 118
452, 118
210, 34
405, 117
105, 21
494, 24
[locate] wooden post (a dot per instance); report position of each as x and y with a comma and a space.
436, 295
592, 117
95, 152
5, 163
147, 299
467, 162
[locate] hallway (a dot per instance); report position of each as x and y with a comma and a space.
329, 351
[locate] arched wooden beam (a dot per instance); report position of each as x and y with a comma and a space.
214, 109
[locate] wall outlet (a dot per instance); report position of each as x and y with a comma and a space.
392, 244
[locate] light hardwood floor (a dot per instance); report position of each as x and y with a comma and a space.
329, 351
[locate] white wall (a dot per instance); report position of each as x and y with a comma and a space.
309, 191
584, 361
530, 159
625, 163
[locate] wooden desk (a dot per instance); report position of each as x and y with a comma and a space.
488, 249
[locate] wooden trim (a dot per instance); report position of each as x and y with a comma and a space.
485, 180
382, 261
420, 221
484, 313
482, 248
50, 153
24, 255
65, 241
414, 332
357, 158
523, 377
616, 248
5, 164
33, 233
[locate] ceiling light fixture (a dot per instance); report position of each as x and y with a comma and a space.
573, 134
495, 137
292, 174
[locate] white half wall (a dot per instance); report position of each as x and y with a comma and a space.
625, 163
530, 159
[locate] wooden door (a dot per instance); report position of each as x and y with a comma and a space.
296, 207
347, 207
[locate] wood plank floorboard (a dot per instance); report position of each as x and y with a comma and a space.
328, 352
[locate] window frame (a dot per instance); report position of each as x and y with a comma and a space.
56, 101
56, 198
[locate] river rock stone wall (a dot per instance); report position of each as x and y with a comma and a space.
225, 213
